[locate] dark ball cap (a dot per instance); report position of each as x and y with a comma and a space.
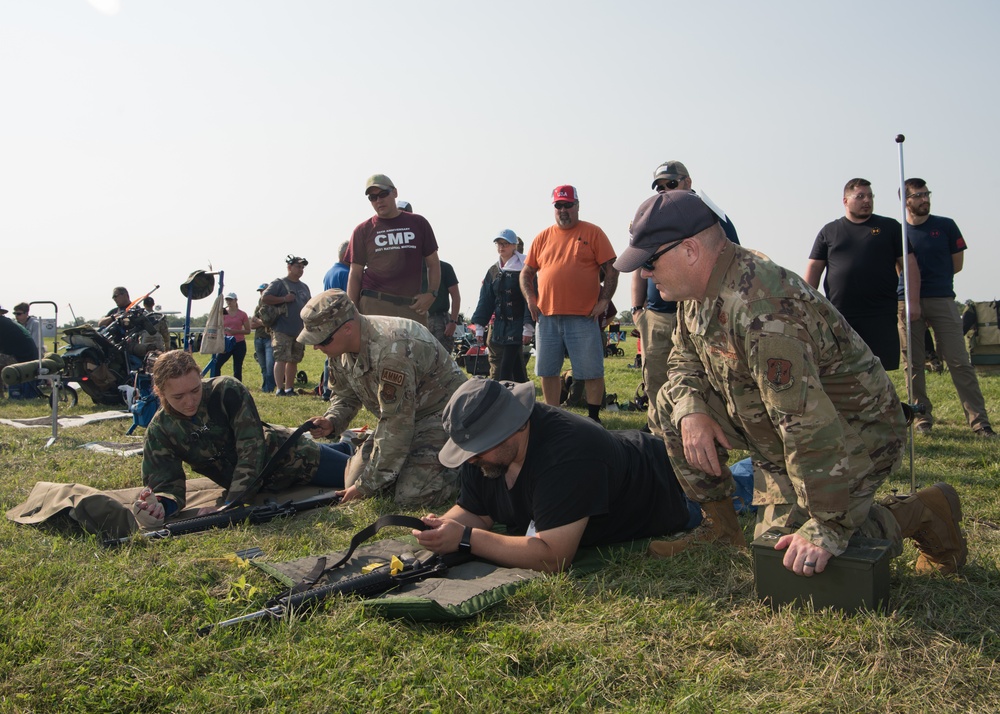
664, 218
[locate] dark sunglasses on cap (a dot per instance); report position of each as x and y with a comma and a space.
668, 185
376, 196
564, 205
294, 259
651, 263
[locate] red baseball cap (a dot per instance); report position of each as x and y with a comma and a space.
565, 193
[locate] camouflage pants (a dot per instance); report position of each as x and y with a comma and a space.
437, 323
422, 481
775, 492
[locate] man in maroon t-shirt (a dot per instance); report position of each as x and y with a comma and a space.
387, 255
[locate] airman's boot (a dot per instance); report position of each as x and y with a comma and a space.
720, 526
931, 517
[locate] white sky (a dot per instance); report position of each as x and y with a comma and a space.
139, 145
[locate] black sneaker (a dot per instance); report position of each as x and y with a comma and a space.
986, 433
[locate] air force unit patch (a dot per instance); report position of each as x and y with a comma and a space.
781, 373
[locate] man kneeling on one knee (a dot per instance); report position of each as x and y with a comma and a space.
763, 362
556, 480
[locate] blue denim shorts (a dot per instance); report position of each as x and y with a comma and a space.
576, 335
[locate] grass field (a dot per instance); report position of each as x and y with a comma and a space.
86, 629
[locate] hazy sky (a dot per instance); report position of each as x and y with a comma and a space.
142, 139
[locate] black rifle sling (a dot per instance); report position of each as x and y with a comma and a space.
320, 569
272, 463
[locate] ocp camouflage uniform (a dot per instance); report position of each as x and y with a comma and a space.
404, 377
225, 441
779, 369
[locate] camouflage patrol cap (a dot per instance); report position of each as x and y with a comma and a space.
481, 414
325, 314
667, 217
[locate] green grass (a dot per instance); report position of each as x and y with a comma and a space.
90, 630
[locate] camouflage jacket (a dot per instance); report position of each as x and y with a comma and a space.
798, 382
225, 441
403, 376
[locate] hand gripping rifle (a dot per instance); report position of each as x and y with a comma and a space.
234, 516
381, 580
238, 512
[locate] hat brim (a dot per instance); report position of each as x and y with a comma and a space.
312, 338
632, 258
508, 419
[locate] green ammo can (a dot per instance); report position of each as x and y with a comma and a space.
855, 580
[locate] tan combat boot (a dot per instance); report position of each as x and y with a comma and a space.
720, 526
931, 517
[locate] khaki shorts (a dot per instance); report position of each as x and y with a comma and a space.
286, 349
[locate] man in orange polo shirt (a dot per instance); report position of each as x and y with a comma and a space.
562, 285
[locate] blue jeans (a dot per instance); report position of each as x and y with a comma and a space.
332, 463
263, 352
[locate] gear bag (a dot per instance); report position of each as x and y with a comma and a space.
981, 323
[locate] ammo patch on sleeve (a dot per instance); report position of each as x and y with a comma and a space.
391, 376
390, 392
781, 373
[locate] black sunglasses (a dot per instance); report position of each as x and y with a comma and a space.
376, 196
18, 314
329, 339
668, 185
564, 205
649, 264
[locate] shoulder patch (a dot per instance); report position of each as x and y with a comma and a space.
391, 376
781, 372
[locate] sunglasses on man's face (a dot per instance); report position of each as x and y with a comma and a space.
18, 314
668, 185
564, 205
651, 263
376, 196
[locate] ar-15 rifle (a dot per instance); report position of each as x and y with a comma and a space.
234, 516
376, 582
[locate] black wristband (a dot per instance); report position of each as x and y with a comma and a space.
465, 545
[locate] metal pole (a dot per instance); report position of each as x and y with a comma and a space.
909, 366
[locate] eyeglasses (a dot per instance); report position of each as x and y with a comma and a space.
862, 196
18, 314
668, 185
651, 263
329, 339
564, 205
919, 194
376, 196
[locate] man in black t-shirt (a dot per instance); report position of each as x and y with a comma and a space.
555, 479
862, 254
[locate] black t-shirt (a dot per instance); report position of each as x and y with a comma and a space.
16, 341
573, 469
860, 260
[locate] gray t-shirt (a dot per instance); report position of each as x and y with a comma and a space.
290, 323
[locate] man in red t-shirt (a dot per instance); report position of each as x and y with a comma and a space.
387, 253
561, 282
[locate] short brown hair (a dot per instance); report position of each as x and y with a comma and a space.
172, 364
856, 183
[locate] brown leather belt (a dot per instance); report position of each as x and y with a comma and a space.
386, 297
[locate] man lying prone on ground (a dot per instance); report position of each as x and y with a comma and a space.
556, 480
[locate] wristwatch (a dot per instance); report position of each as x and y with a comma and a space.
465, 545
434, 293
637, 308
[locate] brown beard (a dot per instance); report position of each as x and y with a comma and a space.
493, 471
